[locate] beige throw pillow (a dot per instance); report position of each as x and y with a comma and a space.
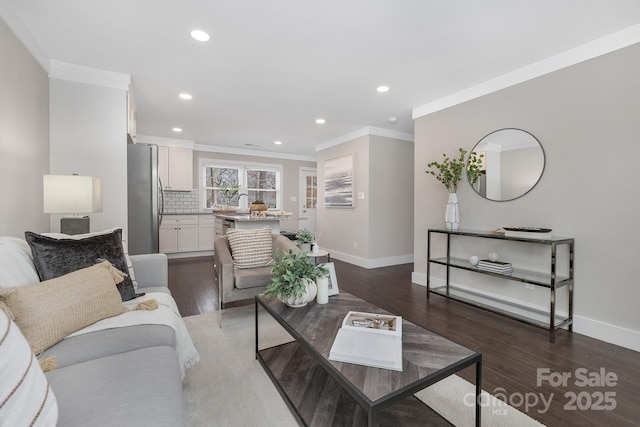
251, 248
48, 311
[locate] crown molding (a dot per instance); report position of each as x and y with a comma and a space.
615, 41
165, 142
255, 153
365, 131
93, 76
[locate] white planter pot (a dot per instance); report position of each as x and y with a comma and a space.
305, 247
309, 295
452, 213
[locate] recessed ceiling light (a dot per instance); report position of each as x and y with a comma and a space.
177, 129
393, 120
320, 121
200, 35
277, 142
185, 96
382, 89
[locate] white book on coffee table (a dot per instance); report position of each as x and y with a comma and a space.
369, 349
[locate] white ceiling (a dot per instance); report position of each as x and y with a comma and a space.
272, 67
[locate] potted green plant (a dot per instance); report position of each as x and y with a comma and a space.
449, 173
294, 278
228, 188
305, 238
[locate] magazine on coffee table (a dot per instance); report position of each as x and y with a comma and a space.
369, 339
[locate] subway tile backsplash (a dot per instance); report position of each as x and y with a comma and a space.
181, 202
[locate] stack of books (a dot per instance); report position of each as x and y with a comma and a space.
500, 267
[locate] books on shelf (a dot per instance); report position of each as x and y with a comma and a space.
369, 339
501, 267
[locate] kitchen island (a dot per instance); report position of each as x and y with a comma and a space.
224, 221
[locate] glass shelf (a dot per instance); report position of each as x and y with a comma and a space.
539, 319
520, 275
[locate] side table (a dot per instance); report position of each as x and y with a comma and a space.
319, 253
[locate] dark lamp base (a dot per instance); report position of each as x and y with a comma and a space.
74, 225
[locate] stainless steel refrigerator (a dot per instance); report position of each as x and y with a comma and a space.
145, 198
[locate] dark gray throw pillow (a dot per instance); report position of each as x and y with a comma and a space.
57, 257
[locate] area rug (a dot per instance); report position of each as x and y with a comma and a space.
229, 387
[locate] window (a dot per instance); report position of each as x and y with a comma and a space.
222, 186
224, 183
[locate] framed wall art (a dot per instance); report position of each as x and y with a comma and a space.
333, 281
338, 182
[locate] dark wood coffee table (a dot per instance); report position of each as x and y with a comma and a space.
323, 392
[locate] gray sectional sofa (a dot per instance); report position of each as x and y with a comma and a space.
125, 376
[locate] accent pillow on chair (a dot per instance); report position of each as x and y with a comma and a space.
251, 248
48, 311
56, 257
25, 395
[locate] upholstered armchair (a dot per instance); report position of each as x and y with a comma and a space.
238, 284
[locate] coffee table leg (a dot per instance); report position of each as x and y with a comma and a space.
256, 302
478, 390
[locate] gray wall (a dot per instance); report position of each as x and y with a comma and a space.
89, 137
24, 137
382, 223
587, 119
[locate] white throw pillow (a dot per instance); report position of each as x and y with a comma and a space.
251, 248
16, 263
26, 399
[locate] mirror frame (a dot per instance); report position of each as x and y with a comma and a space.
544, 164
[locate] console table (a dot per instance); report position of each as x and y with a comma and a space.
550, 279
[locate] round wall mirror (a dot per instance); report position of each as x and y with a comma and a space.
511, 162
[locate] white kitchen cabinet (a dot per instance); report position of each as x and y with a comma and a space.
179, 233
206, 232
175, 166
219, 231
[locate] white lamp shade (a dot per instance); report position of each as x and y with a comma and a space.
72, 194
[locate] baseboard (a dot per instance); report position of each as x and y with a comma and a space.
177, 255
607, 332
372, 263
592, 328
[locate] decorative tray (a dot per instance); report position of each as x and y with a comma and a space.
528, 229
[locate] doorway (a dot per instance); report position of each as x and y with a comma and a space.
308, 200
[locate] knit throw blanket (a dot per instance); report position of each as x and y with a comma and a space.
166, 314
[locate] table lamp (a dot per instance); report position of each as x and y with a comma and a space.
75, 195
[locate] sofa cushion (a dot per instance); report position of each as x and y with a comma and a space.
137, 388
16, 263
48, 311
25, 395
252, 278
107, 342
251, 248
55, 257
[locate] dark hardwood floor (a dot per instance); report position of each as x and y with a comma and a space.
515, 354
